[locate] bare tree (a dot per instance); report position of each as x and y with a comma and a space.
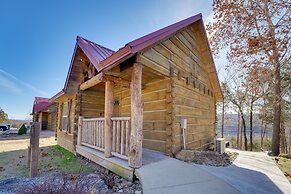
257, 33
237, 96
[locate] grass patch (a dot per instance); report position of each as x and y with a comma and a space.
285, 166
57, 158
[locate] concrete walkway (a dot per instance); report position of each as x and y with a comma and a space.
168, 175
252, 172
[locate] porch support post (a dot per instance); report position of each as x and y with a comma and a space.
109, 105
80, 125
40, 120
136, 136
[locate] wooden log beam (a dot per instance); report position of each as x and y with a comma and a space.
117, 80
28, 157
109, 105
92, 82
40, 119
34, 148
102, 77
136, 136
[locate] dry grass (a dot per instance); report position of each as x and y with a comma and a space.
285, 165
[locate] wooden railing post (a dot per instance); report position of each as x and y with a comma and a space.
109, 105
136, 136
34, 148
80, 125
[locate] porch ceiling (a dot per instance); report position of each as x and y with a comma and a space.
148, 75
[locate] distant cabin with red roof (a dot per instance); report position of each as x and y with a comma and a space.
45, 112
117, 106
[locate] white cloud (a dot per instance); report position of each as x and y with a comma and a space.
4, 82
20, 116
14, 84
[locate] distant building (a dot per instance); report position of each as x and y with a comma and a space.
45, 112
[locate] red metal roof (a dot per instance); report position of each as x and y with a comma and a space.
103, 58
40, 104
141, 43
95, 52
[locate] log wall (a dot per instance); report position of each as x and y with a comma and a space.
199, 109
154, 112
67, 139
52, 119
190, 92
92, 103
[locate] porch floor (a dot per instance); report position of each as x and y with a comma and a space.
117, 165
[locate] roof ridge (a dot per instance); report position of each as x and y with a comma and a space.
99, 45
163, 30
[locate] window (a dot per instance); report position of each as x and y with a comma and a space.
65, 113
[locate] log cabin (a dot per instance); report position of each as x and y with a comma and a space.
114, 105
45, 112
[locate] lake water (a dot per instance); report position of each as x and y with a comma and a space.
231, 131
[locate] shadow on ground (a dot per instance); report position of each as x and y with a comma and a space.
245, 180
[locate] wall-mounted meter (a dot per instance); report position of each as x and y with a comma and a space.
184, 126
183, 123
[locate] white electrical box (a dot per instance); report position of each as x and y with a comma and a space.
183, 123
220, 145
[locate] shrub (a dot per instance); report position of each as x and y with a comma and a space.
22, 130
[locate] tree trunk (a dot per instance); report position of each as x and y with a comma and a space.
222, 120
283, 140
277, 112
262, 130
241, 134
238, 130
245, 134
251, 125
244, 131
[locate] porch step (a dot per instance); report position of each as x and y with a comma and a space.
114, 164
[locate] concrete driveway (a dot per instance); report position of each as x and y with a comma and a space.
252, 172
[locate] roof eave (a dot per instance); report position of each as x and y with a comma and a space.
115, 58
219, 96
146, 41
57, 96
70, 68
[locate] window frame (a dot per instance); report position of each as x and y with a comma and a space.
64, 117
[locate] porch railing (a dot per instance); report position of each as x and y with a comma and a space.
92, 135
120, 137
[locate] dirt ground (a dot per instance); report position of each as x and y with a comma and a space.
54, 163
13, 153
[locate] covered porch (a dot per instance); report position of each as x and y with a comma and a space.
114, 139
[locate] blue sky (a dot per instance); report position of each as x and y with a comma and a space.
38, 37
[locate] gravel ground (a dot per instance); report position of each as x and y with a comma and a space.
55, 183
115, 183
209, 158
